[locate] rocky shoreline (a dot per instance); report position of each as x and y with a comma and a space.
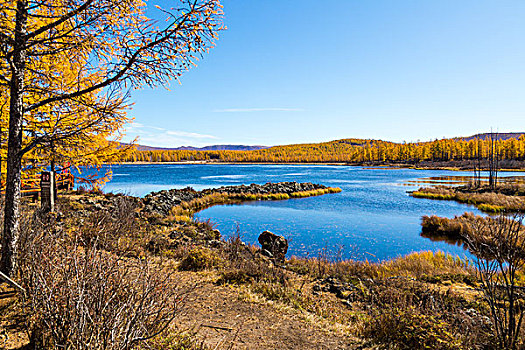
162, 202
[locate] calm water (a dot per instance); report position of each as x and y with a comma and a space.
372, 218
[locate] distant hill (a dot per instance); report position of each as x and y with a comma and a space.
455, 152
206, 148
501, 136
349, 142
222, 148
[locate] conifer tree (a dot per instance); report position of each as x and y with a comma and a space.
66, 67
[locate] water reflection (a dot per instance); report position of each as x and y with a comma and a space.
444, 238
459, 180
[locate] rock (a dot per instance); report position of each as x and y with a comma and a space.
333, 285
266, 253
215, 243
276, 245
175, 234
163, 201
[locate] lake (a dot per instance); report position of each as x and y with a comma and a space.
372, 218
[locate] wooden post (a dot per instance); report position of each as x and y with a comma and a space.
47, 190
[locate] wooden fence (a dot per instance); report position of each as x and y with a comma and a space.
31, 184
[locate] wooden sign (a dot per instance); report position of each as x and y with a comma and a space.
45, 177
47, 190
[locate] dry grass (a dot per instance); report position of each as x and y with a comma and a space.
414, 265
490, 202
185, 209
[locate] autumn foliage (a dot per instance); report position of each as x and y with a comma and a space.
348, 151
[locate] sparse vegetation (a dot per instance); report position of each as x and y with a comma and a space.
200, 258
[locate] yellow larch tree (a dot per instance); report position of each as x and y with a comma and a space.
66, 67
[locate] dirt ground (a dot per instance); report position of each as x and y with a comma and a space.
227, 317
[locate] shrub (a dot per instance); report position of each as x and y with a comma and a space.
452, 229
115, 228
499, 247
410, 329
84, 298
410, 315
199, 259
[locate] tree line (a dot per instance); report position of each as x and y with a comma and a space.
350, 151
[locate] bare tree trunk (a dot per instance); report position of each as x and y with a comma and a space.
10, 237
491, 160
496, 163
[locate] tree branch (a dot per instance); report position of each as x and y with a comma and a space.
117, 76
58, 21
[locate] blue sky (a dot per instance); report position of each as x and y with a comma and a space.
299, 71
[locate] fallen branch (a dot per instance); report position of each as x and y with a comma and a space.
11, 282
218, 327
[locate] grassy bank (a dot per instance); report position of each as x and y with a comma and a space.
450, 230
186, 209
506, 199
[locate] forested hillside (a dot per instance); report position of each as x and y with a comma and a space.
352, 151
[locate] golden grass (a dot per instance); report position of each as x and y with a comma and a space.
488, 208
185, 209
424, 263
414, 265
489, 202
318, 192
430, 195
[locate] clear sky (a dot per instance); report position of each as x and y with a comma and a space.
299, 71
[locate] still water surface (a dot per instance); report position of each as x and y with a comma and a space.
373, 218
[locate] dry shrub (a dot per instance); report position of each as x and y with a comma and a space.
452, 229
246, 266
115, 229
200, 258
82, 297
410, 315
499, 247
